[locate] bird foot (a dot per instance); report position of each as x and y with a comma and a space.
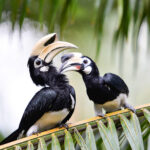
36, 133
101, 115
130, 108
64, 125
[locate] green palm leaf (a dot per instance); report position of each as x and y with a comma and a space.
107, 136
18, 148
69, 145
113, 132
30, 146
90, 140
136, 125
55, 143
42, 144
131, 130
147, 114
80, 140
56, 15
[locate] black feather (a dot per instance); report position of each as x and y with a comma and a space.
114, 81
103, 89
53, 98
51, 40
42, 102
11, 137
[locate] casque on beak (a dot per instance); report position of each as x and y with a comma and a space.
49, 52
49, 46
70, 62
43, 43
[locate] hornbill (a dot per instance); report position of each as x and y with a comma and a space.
54, 104
108, 92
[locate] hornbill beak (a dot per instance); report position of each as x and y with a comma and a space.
43, 43
49, 52
71, 61
49, 46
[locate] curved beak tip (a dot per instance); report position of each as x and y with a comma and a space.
61, 68
69, 67
76, 47
69, 45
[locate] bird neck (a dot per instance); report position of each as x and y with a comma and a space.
50, 78
56, 79
92, 78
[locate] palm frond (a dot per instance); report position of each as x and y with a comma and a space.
118, 130
58, 14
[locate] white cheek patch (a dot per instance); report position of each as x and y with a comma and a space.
44, 69
88, 70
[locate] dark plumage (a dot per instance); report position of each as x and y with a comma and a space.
109, 92
54, 104
48, 99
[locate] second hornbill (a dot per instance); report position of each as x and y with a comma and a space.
54, 104
109, 92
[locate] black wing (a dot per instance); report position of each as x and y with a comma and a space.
72, 92
40, 103
116, 83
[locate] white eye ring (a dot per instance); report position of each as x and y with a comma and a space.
37, 63
86, 62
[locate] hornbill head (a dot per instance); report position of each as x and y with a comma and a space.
78, 62
40, 61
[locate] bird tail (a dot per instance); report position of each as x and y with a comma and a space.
11, 137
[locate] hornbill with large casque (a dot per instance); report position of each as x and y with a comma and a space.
54, 104
109, 92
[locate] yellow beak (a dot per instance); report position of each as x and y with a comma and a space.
71, 62
43, 43
49, 52
49, 46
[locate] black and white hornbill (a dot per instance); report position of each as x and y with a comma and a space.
54, 104
109, 92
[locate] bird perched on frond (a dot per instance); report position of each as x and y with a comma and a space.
108, 92
54, 104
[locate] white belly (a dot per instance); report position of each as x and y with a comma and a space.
111, 106
48, 121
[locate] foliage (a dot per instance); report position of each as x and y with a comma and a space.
58, 14
119, 130
1, 137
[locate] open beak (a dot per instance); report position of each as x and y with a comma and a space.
49, 46
49, 52
71, 62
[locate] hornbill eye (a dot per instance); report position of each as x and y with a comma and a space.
37, 63
85, 61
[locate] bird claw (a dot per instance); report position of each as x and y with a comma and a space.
100, 115
64, 125
132, 109
36, 133
128, 106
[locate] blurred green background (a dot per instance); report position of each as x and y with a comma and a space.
115, 33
